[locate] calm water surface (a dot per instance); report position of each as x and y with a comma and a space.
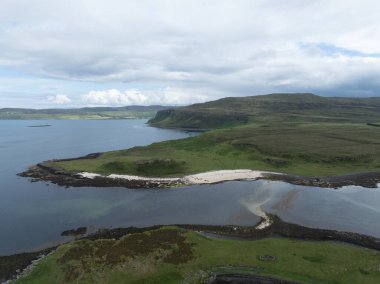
32, 215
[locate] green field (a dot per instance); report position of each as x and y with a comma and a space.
172, 255
310, 149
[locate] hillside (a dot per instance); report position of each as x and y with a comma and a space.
269, 108
297, 134
82, 113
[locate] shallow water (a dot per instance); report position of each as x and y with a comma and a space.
32, 215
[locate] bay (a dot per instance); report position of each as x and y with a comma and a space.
33, 215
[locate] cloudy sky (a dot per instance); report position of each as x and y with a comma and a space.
72, 53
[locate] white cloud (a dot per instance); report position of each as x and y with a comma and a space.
214, 48
59, 99
115, 97
167, 96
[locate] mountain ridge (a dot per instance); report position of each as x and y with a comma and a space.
289, 107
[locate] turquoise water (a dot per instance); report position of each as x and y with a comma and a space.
32, 215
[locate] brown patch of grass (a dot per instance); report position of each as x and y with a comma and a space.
164, 245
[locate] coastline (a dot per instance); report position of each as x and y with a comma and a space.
13, 266
44, 172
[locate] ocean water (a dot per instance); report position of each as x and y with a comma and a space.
33, 214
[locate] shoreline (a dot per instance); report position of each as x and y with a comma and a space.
44, 172
17, 264
210, 177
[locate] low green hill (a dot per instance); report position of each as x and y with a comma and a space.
269, 108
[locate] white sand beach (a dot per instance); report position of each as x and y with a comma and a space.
201, 178
222, 175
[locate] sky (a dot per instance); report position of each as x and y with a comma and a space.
75, 53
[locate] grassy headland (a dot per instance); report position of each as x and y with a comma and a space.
173, 255
300, 134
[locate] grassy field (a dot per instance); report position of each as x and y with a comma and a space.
308, 149
172, 255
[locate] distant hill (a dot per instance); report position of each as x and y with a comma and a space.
295, 107
82, 113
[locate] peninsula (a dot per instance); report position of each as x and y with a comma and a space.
299, 138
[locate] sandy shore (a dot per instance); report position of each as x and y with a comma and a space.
201, 178
45, 172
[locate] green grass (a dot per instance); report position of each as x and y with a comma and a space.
310, 149
171, 255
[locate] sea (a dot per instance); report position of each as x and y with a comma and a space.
34, 214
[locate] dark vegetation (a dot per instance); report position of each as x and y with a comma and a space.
374, 124
159, 166
153, 167
75, 232
165, 246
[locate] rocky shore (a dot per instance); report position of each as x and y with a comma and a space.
276, 228
279, 228
13, 266
365, 179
